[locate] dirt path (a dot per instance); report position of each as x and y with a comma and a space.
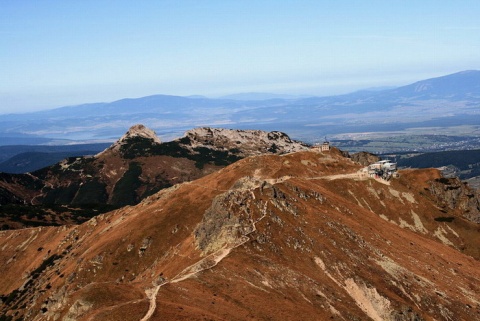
358, 176
152, 295
206, 263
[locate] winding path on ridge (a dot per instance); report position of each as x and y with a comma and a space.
206, 263
359, 176
213, 259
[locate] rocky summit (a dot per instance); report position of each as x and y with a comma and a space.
308, 235
134, 167
138, 131
245, 142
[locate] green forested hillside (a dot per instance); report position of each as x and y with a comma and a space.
466, 161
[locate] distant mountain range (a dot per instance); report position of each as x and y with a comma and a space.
445, 101
262, 96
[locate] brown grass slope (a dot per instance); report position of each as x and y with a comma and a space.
296, 237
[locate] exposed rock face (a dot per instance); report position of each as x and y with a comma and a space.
227, 222
140, 130
451, 193
364, 158
303, 236
135, 132
246, 142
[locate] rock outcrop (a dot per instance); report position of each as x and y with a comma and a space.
453, 194
302, 236
245, 142
364, 158
134, 167
134, 134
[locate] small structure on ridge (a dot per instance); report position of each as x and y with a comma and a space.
325, 147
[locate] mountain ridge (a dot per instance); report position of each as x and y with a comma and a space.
134, 167
262, 96
461, 85
293, 237
307, 119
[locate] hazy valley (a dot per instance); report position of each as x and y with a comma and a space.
446, 106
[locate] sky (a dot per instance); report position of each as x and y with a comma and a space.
65, 52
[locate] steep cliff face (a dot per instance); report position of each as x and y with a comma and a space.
453, 194
303, 236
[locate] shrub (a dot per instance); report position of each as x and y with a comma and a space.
444, 219
125, 191
90, 192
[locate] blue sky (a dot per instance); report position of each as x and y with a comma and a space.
57, 53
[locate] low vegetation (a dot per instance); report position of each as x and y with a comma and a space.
466, 162
142, 147
125, 191
14, 216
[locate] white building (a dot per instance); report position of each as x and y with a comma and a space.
325, 147
383, 165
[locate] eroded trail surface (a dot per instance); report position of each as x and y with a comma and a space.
358, 176
206, 263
